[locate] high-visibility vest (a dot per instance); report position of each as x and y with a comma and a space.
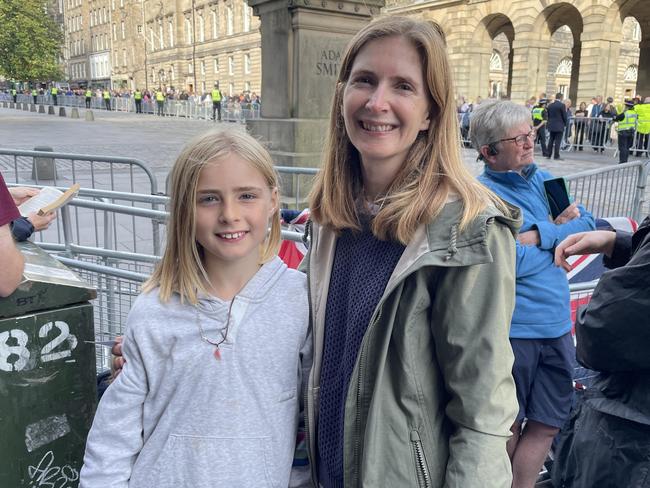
538, 113
216, 95
34, 92
89, 94
137, 95
643, 123
13, 91
160, 97
629, 122
107, 95
54, 91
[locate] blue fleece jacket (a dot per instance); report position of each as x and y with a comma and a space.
542, 304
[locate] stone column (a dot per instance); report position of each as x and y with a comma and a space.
471, 65
643, 80
303, 42
529, 66
598, 60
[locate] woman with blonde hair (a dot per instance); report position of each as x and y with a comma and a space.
411, 278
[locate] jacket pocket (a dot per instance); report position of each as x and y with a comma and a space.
210, 462
421, 468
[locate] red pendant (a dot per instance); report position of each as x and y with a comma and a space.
217, 354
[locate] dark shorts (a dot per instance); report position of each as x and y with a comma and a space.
543, 373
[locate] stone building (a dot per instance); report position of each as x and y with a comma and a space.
185, 44
521, 48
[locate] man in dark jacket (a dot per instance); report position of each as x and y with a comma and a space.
613, 337
557, 122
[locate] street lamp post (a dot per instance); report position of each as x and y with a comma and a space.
144, 37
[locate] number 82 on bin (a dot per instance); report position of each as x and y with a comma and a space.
14, 352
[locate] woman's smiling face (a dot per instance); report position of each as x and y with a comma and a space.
385, 103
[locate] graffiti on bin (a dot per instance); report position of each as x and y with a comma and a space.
14, 346
46, 475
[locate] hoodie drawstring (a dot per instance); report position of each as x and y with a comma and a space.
452, 249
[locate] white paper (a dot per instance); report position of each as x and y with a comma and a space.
46, 196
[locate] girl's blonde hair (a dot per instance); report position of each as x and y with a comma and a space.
181, 269
433, 168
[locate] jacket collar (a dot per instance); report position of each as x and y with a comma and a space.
511, 177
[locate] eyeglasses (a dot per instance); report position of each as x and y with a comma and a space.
521, 139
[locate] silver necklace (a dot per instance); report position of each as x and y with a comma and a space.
223, 332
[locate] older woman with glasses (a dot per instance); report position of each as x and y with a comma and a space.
540, 332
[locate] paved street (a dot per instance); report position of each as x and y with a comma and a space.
158, 140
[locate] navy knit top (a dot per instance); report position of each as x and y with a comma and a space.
362, 266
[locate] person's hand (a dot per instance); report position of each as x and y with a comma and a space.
529, 238
584, 243
118, 361
569, 213
41, 222
21, 194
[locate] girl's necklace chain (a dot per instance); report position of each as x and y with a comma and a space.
224, 331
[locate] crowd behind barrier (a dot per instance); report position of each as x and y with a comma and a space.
234, 109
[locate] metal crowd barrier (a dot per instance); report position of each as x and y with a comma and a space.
188, 109
618, 190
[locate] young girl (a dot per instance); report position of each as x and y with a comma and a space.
411, 277
209, 393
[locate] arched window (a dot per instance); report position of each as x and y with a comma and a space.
564, 67
496, 64
631, 73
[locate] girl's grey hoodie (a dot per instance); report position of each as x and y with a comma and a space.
178, 417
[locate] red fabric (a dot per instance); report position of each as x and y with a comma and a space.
290, 254
8, 210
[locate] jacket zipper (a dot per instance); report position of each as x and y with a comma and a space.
424, 480
357, 440
307, 405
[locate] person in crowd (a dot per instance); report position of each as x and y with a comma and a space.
602, 126
540, 331
88, 95
160, 102
411, 275
613, 338
569, 127
11, 260
34, 93
556, 125
137, 97
22, 228
216, 102
106, 94
209, 394
643, 127
54, 91
540, 119
580, 123
626, 130
14, 94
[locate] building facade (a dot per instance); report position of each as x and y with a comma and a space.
188, 45
521, 48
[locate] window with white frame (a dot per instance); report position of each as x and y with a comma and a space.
231, 89
203, 87
114, 32
631, 73
564, 67
216, 65
188, 31
123, 28
170, 30
247, 63
151, 37
215, 24
247, 18
229, 21
161, 34
201, 28
203, 67
190, 68
247, 86
172, 72
231, 65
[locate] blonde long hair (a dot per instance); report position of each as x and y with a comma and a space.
181, 269
433, 168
